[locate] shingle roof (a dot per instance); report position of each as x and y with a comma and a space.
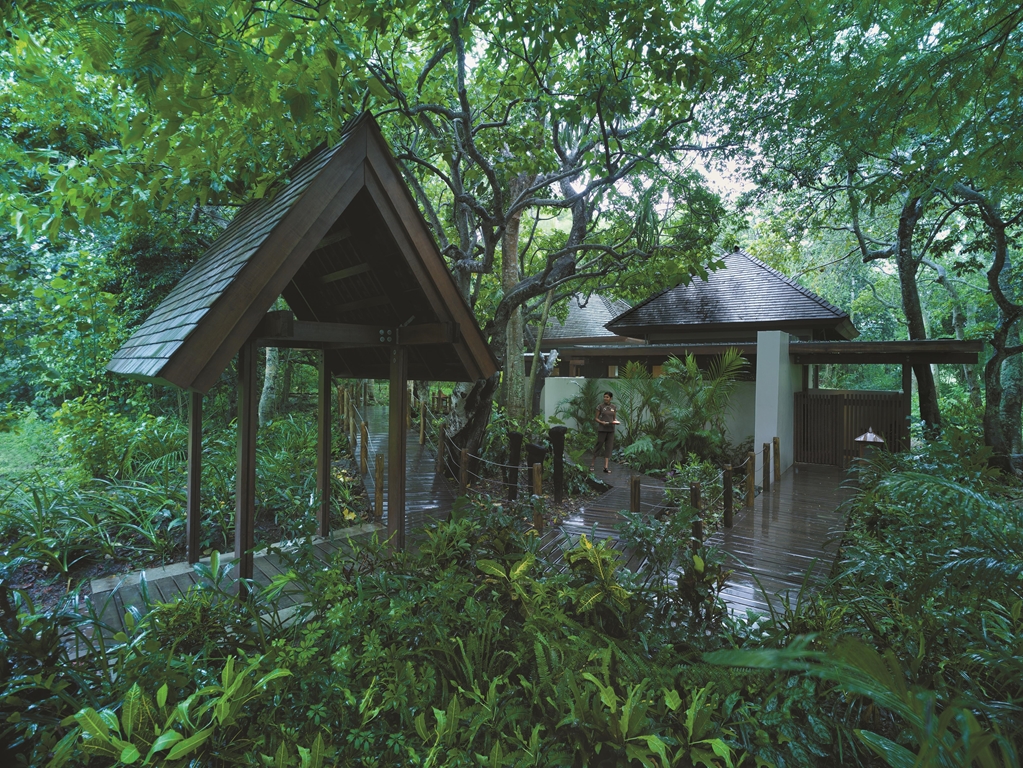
746, 294
344, 242
587, 318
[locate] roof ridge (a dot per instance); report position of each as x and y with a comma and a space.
789, 281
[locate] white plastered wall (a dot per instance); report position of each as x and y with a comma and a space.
777, 382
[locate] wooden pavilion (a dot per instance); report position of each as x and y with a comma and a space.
343, 241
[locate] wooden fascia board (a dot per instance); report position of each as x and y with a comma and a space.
199, 361
412, 235
640, 331
894, 358
658, 350
922, 351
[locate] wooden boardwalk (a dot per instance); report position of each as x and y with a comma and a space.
788, 537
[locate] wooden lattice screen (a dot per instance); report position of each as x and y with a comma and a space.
828, 421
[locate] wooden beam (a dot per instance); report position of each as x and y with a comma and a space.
398, 392
342, 274
193, 515
279, 332
323, 447
336, 237
372, 301
245, 481
428, 333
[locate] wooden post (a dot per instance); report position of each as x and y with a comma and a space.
727, 488
422, 422
323, 446
245, 475
346, 414
767, 467
441, 440
777, 460
353, 430
694, 502
408, 407
194, 503
907, 405
398, 391
463, 471
635, 491
378, 492
514, 457
751, 478
538, 479
364, 449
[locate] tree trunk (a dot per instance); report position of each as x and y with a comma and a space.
1009, 313
471, 405
908, 268
285, 391
534, 369
513, 394
1012, 403
271, 380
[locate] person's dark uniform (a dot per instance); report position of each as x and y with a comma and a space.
607, 413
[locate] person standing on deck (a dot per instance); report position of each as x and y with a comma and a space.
606, 413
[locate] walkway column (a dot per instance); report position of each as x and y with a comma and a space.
323, 447
398, 392
778, 380
193, 515
245, 482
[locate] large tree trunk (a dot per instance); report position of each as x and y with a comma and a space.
513, 394
908, 268
471, 405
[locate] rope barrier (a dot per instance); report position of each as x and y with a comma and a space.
495, 463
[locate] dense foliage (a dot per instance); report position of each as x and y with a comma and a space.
478, 649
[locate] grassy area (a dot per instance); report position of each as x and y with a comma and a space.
26, 448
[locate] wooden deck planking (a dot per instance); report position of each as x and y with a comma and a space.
792, 530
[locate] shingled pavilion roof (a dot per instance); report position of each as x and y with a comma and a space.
586, 322
744, 297
345, 244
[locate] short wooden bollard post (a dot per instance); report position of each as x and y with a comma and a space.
694, 502
538, 479
441, 439
635, 491
767, 467
378, 501
364, 451
777, 460
514, 457
463, 472
422, 422
751, 478
727, 494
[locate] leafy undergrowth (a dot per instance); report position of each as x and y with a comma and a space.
477, 650
111, 498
